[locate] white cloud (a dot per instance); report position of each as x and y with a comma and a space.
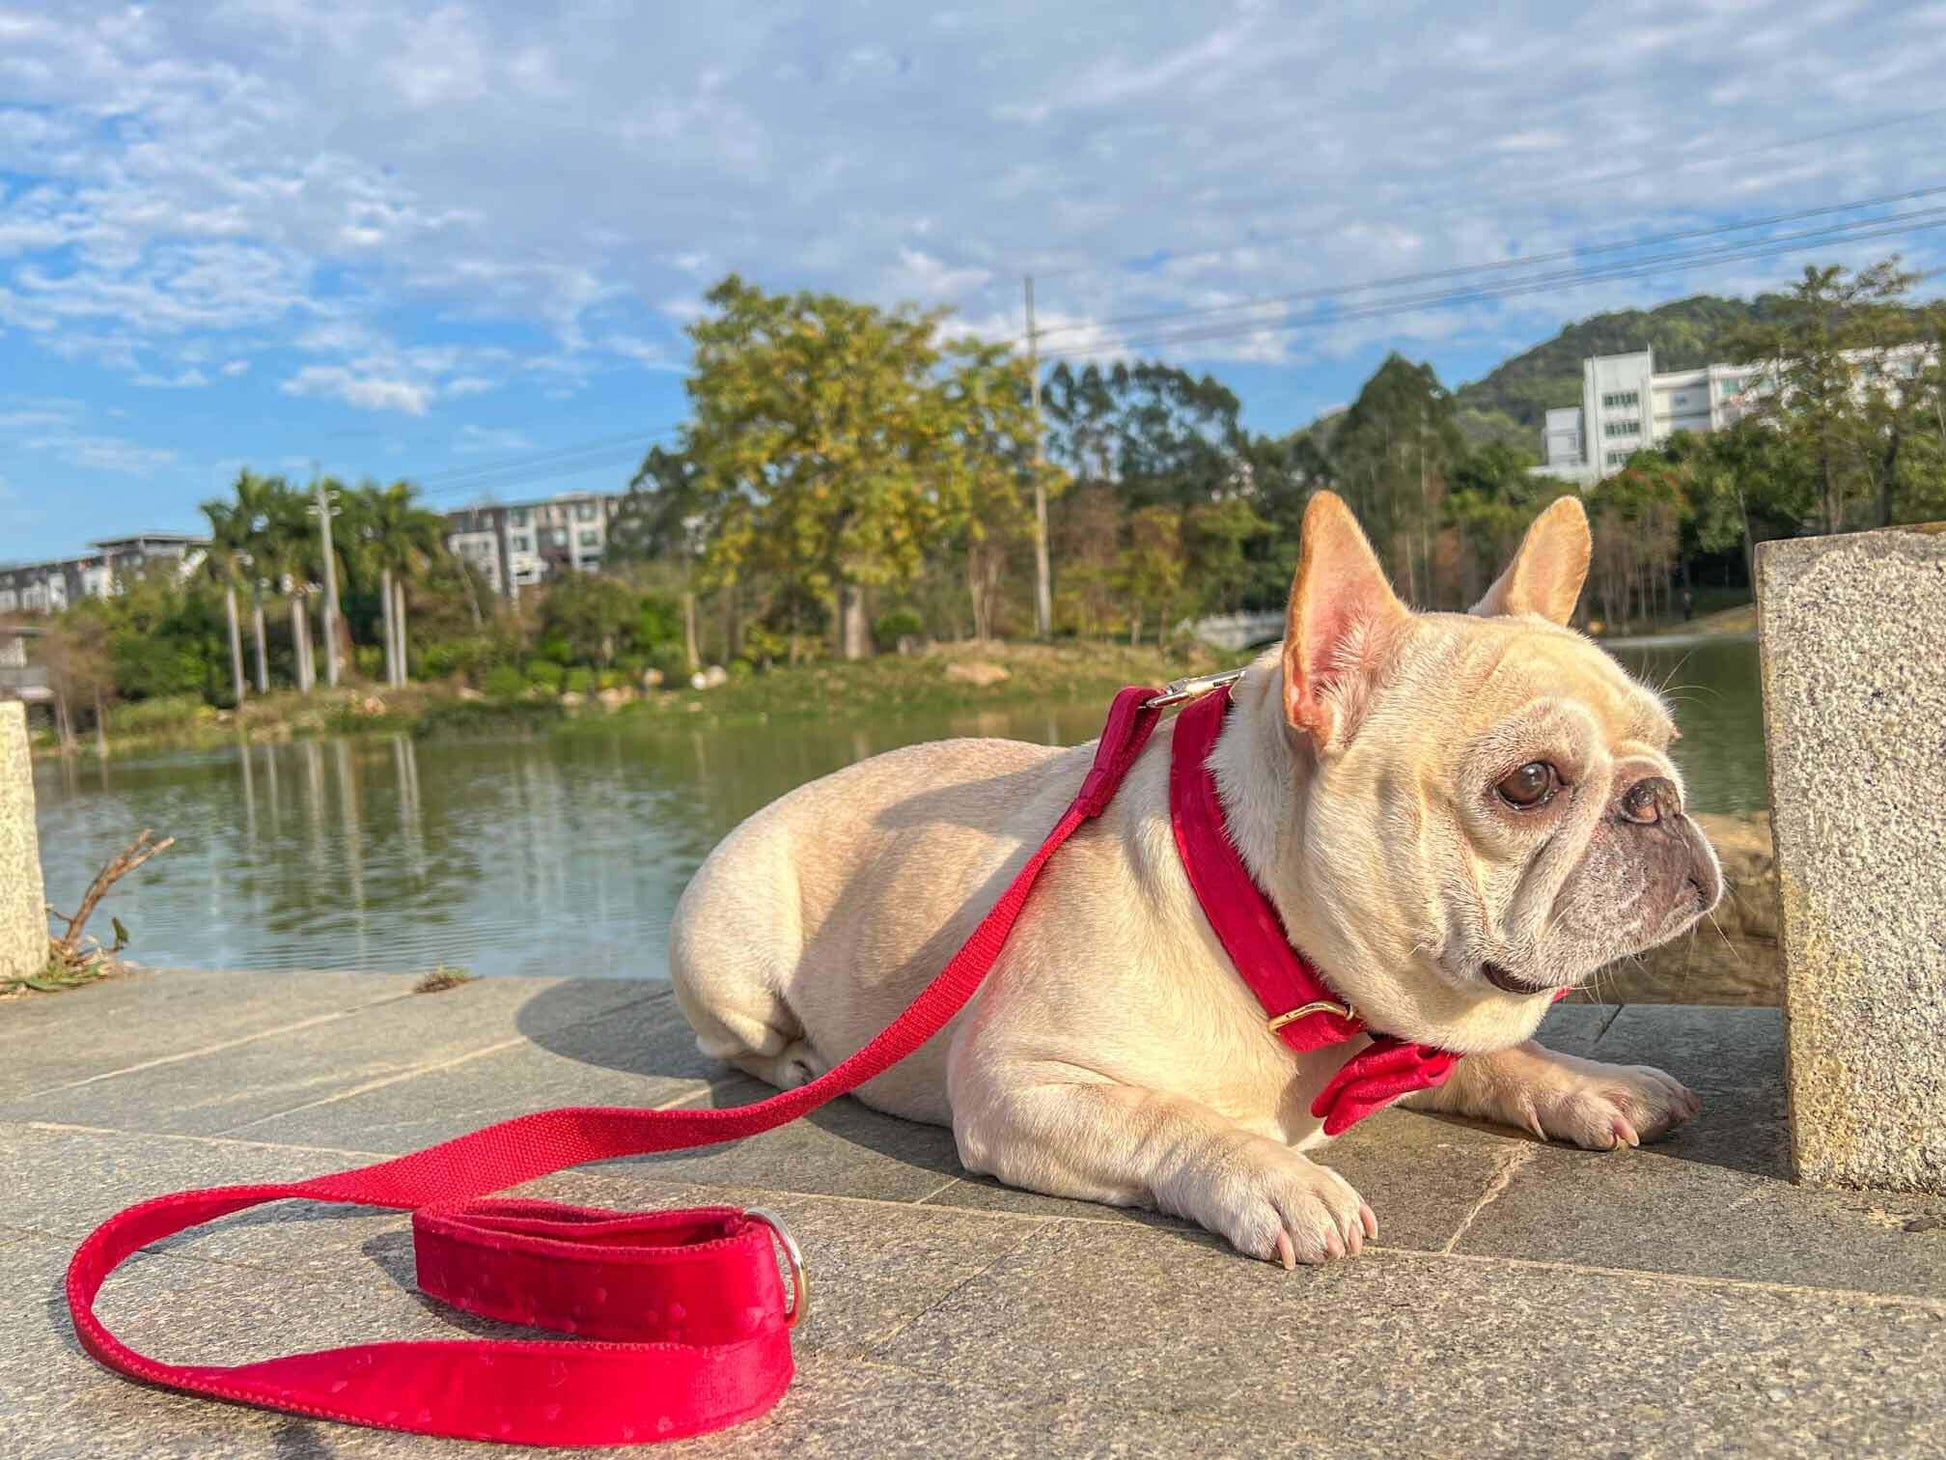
472, 439
59, 426
184, 379
428, 203
367, 392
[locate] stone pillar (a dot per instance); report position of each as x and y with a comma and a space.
1853, 637
23, 909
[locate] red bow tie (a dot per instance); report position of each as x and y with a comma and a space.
1301, 1008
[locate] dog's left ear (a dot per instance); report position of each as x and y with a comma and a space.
1343, 618
1546, 575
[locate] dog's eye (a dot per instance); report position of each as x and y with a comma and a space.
1533, 784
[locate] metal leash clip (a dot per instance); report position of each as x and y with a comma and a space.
794, 1256
1194, 686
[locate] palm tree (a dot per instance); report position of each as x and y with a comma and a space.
224, 562
257, 513
293, 550
402, 537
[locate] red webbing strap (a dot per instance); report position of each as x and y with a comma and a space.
683, 1312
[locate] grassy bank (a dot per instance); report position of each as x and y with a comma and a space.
946, 678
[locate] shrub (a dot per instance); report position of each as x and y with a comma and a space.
674, 665
895, 625
447, 657
504, 682
578, 680
545, 674
148, 717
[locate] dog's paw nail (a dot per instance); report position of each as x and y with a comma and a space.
1625, 1133
1286, 1253
1368, 1220
1334, 1246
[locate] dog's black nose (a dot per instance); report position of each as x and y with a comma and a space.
1650, 800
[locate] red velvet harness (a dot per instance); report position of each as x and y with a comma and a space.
1301, 1008
681, 1317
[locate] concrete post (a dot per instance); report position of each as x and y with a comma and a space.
23, 906
1853, 637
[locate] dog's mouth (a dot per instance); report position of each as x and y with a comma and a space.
1509, 982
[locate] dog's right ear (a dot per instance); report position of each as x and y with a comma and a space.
1342, 620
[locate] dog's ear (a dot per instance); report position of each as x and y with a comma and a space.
1342, 620
1546, 575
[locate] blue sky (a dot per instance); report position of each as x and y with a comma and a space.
427, 240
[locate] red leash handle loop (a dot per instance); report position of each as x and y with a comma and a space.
680, 1318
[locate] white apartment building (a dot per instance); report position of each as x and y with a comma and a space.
1628, 405
519, 544
50, 587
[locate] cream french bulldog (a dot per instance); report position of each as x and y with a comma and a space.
1455, 816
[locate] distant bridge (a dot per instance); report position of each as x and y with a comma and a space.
1236, 632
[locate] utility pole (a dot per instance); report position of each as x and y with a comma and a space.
1043, 591
330, 581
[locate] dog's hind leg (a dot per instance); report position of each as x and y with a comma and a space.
730, 955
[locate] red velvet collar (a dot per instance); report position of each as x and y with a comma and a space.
1299, 1005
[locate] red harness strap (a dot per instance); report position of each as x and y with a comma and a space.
683, 1314
1300, 1005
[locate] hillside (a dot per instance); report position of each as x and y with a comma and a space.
1510, 402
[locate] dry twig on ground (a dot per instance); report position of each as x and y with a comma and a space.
73, 958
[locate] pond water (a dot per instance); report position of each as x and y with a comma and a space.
562, 853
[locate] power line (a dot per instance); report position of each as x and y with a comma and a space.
1502, 265
1553, 190
473, 470
1924, 221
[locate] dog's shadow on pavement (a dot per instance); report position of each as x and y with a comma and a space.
848, 1149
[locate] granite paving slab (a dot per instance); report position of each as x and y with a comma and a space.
230, 1088
147, 1017
638, 1053
1523, 1299
1654, 1213
843, 1149
1438, 1354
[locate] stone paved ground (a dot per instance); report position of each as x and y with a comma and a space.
1524, 1299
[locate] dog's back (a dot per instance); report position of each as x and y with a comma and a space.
789, 948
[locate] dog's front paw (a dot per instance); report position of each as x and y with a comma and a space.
1605, 1107
1276, 1205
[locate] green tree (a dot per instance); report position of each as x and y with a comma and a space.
397, 540
990, 455
1491, 496
253, 525
1215, 536
1820, 384
227, 563
822, 441
1157, 434
595, 616
1392, 453
1151, 570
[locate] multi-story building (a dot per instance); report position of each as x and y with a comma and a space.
1628, 405
51, 586
516, 545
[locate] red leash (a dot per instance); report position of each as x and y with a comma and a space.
682, 1313
680, 1316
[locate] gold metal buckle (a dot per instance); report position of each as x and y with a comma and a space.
1322, 1006
1191, 687
794, 1256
